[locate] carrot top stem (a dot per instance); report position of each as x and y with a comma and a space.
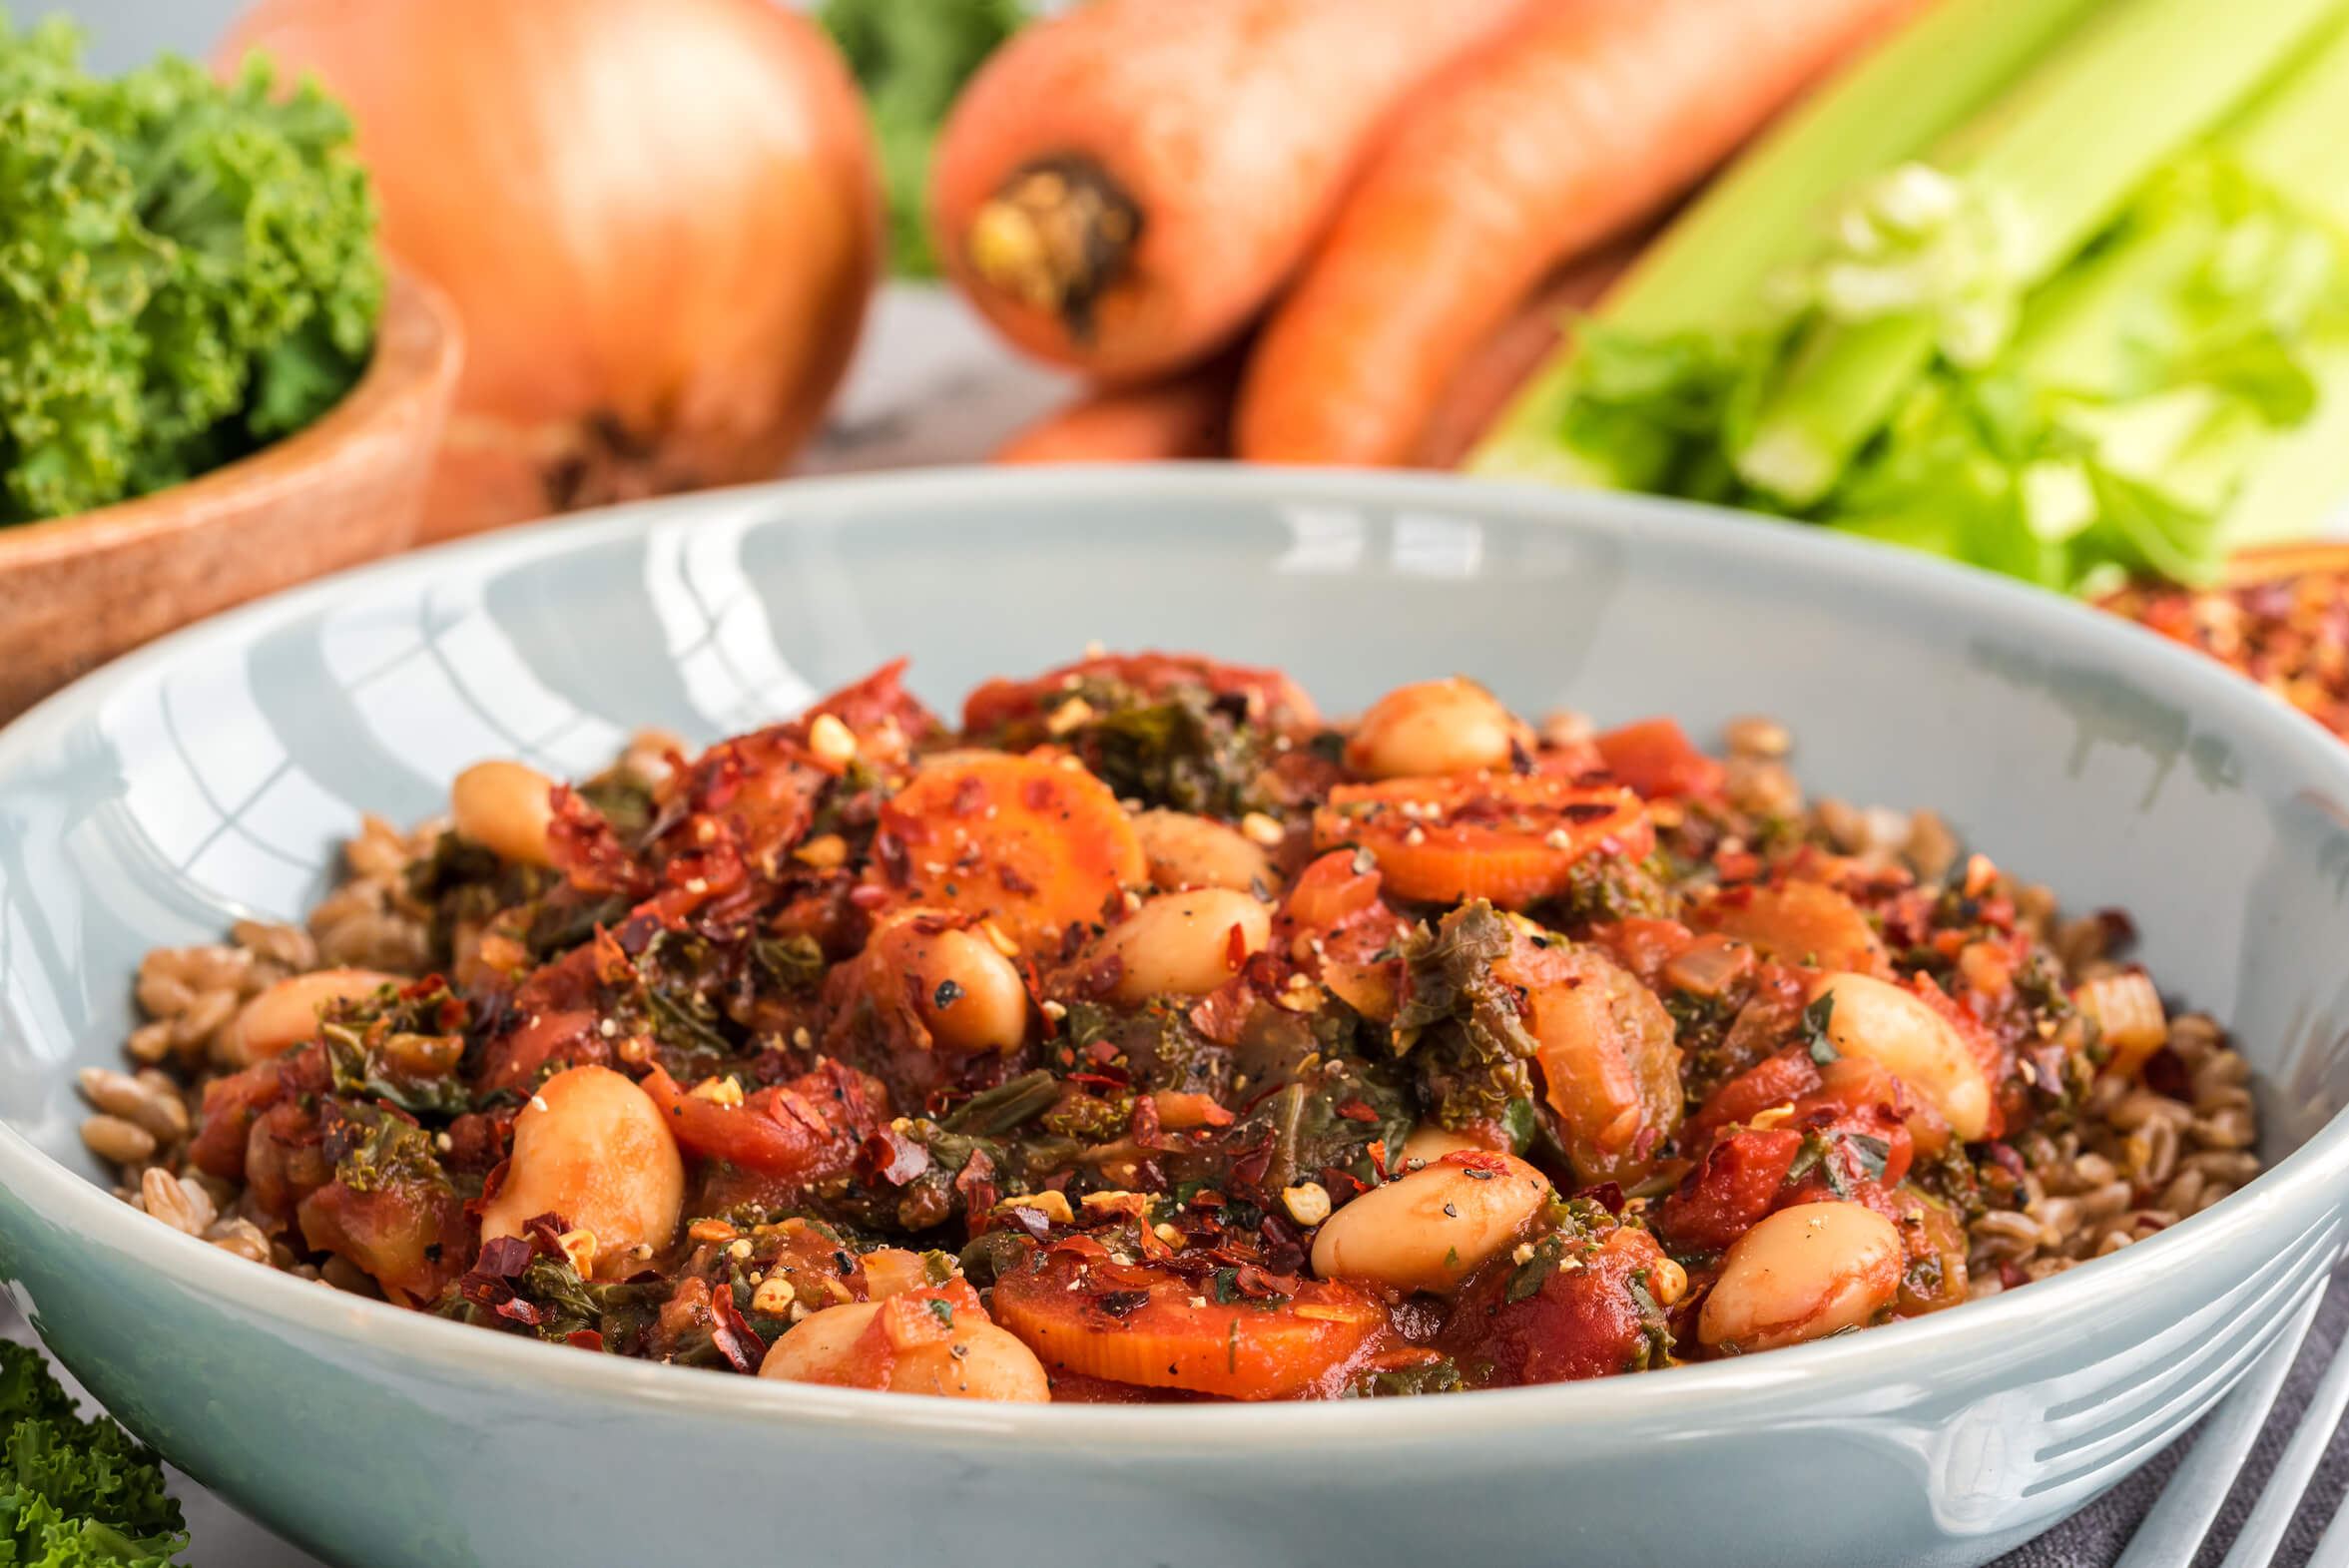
1057, 234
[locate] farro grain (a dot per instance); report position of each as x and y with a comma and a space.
179, 1204
112, 1137
2140, 1107
1763, 787
1565, 727
288, 946
1842, 822
2231, 1128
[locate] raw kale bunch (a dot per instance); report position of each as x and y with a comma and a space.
75, 1493
187, 272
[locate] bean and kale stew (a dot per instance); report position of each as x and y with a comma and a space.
1148, 1038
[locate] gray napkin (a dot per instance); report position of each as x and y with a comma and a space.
2095, 1537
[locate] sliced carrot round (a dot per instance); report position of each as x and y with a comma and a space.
1507, 837
1135, 1323
1032, 843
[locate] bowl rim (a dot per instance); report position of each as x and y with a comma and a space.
418, 349
2301, 1183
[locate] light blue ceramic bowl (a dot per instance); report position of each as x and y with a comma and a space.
210, 777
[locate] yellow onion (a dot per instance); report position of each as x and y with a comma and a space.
658, 218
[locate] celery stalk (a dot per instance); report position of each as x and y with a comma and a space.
1709, 271
2299, 482
2047, 167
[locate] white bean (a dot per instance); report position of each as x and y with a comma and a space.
968, 995
506, 808
1451, 725
1429, 1142
1893, 1028
1802, 1273
592, 1148
979, 1362
1184, 850
287, 1014
1428, 1230
1181, 944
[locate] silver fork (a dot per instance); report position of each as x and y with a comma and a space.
2174, 1528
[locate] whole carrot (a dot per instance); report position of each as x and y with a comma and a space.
1494, 370
1188, 417
1582, 120
1123, 186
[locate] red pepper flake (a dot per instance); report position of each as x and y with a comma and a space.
585, 1340
1607, 1194
1235, 947
890, 1156
1038, 795
503, 1258
891, 855
867, 896
1013, 882
733, 1334
1356, 1111
969, 795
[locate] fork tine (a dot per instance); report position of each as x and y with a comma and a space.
2255, 1546
2173, 1527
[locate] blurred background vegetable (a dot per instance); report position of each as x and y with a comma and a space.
1580, 122
1123, 186
658, 219
2058, 291
912, 57
187, 272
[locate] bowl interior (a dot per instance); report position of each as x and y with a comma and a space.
212, 776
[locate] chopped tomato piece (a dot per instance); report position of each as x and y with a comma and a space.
1654, 757
801, 1131
1586, 1321
1510, 839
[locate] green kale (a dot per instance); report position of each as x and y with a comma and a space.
1458, 1028
187, 272
1437, 1376
912, 57
75, 1493
1185, 749
376, 1150
1604, 888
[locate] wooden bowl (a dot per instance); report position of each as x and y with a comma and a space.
76, 591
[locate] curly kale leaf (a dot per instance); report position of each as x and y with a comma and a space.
1186, 748
188, 270
1457, 1027
75, 1493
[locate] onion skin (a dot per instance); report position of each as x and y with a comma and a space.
660, 306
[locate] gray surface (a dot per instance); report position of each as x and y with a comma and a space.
125, 32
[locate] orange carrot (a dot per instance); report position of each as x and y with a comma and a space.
1123, 186
1512, 839
1586, 118
1484, 384
1019, 840
1165, 1335
1189, 416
